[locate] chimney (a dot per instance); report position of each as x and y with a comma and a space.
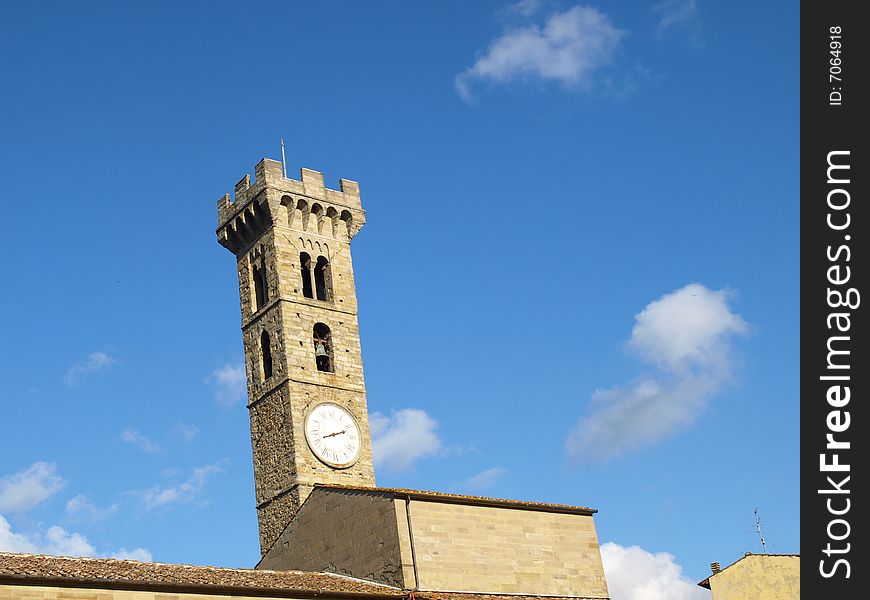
715, 567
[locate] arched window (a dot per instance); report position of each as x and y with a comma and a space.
347, 219
266, 354
323, 348
322, 279
261, 290
305, 266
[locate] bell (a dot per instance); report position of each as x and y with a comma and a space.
320, 350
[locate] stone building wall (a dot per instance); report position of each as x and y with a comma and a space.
460, 543
343, 532
760, 577
492, 549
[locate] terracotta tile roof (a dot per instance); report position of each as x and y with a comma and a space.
130, 574
462, 499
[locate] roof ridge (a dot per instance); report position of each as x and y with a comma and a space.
455, 496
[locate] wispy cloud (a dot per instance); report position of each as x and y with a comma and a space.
188, 491
634, 574
145, 444
80, 508
568, 49
185, 432
230, 384
686, 336
58, 541
24, 490
523, 8
140, 554
679, 13
404, 437
94, 363
485, 479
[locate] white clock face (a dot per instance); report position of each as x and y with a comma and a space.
333, 435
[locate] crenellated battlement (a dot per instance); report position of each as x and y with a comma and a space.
271, 198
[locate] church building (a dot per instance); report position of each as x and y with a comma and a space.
325, 528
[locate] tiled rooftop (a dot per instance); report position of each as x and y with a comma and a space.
109, 570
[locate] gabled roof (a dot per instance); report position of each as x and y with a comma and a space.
706, 582
462, 499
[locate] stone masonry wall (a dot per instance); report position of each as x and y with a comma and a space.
344, 532
491, 550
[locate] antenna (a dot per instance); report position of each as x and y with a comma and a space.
760, 533
283, 161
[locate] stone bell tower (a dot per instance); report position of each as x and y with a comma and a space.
306, 391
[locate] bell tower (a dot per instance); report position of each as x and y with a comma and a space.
306, 391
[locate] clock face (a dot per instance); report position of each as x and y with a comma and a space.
333, 435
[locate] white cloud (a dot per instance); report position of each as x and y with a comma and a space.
140, 554
485, 479
686, 335
14, 542
23, 491
404, 437
95, 362
568, 49
687, 329
26, 489
82, 509
230, 384
634, 574
190, 490
523, 8
679, 13
131, 436
58, 541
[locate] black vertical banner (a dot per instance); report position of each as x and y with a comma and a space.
835, 372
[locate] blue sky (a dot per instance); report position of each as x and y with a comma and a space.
542, 181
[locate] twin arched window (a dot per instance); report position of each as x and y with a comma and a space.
316, 277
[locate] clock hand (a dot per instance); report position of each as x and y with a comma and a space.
335, 434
